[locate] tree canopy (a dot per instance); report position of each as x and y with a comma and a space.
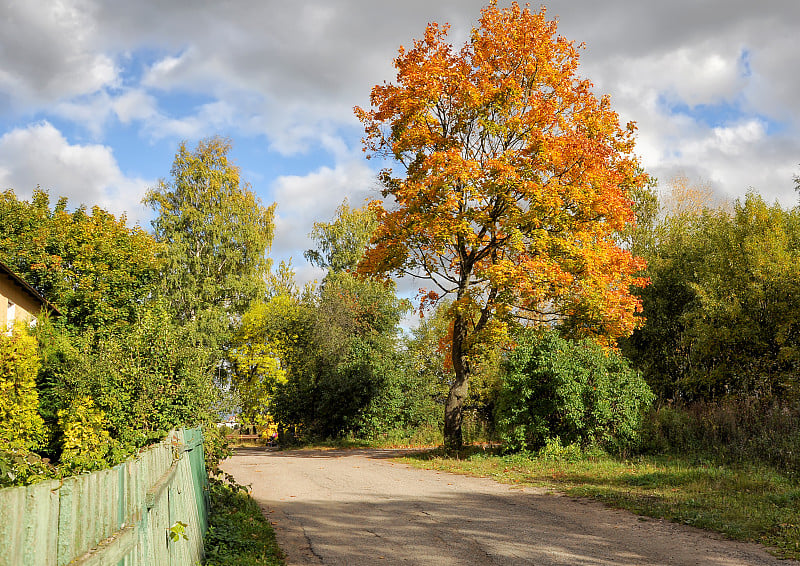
515, 185
722, 310
216, 234
343, 241
90, 264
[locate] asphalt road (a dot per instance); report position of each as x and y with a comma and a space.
362, 507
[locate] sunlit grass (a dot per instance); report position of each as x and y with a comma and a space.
751, 503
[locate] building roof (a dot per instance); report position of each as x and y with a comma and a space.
27, 288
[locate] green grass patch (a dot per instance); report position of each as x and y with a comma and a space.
238, 533
748, 503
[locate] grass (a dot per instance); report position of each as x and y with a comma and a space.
238, 533
748, 503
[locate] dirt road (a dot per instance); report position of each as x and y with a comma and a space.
363, 507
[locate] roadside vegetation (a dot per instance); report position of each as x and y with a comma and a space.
238, 532
747, 502
608, 334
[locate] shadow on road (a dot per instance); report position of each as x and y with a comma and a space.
480, 529
335, 507
375, 453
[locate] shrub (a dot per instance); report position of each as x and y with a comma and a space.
22, 428
574, 391
86, 440
732, 429
141, 382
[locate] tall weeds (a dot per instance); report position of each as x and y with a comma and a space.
735, 430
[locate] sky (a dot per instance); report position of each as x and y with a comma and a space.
95, 96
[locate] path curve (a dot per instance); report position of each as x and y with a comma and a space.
354, 507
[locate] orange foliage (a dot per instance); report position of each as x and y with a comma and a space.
515, 177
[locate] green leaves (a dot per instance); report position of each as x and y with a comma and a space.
93, 267
342, 243
345, 358
177, 531
572, 391
722, 312
216, 234
266, 349
116, 392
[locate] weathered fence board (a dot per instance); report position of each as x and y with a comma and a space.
120, 516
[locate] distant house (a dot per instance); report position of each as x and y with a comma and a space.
19, 301
230, 421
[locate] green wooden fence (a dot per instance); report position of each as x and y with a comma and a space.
119, 516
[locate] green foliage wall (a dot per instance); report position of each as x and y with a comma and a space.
137, 384
86, 443
345, 362
723, 311
574, 391
325, 362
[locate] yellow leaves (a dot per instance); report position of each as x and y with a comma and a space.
86, 439
19, 398
516, 174
265, 345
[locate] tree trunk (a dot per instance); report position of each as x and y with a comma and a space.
453, 409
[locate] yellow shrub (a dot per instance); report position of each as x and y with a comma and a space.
86, 437
23, 428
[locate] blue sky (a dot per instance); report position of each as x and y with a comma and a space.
95, 96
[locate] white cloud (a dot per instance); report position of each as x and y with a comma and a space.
49, 52
208, 120
165, 73
134, 105
39, 155
302, 200
92, 112
293, 72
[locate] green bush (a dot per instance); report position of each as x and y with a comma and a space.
734, 429
141, 381
86, 442
574, 391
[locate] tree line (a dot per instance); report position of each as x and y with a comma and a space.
565, 298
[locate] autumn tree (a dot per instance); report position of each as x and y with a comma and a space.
514, 186
216, 233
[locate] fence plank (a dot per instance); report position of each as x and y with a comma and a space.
42, 508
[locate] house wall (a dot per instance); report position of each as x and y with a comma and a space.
27, 307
